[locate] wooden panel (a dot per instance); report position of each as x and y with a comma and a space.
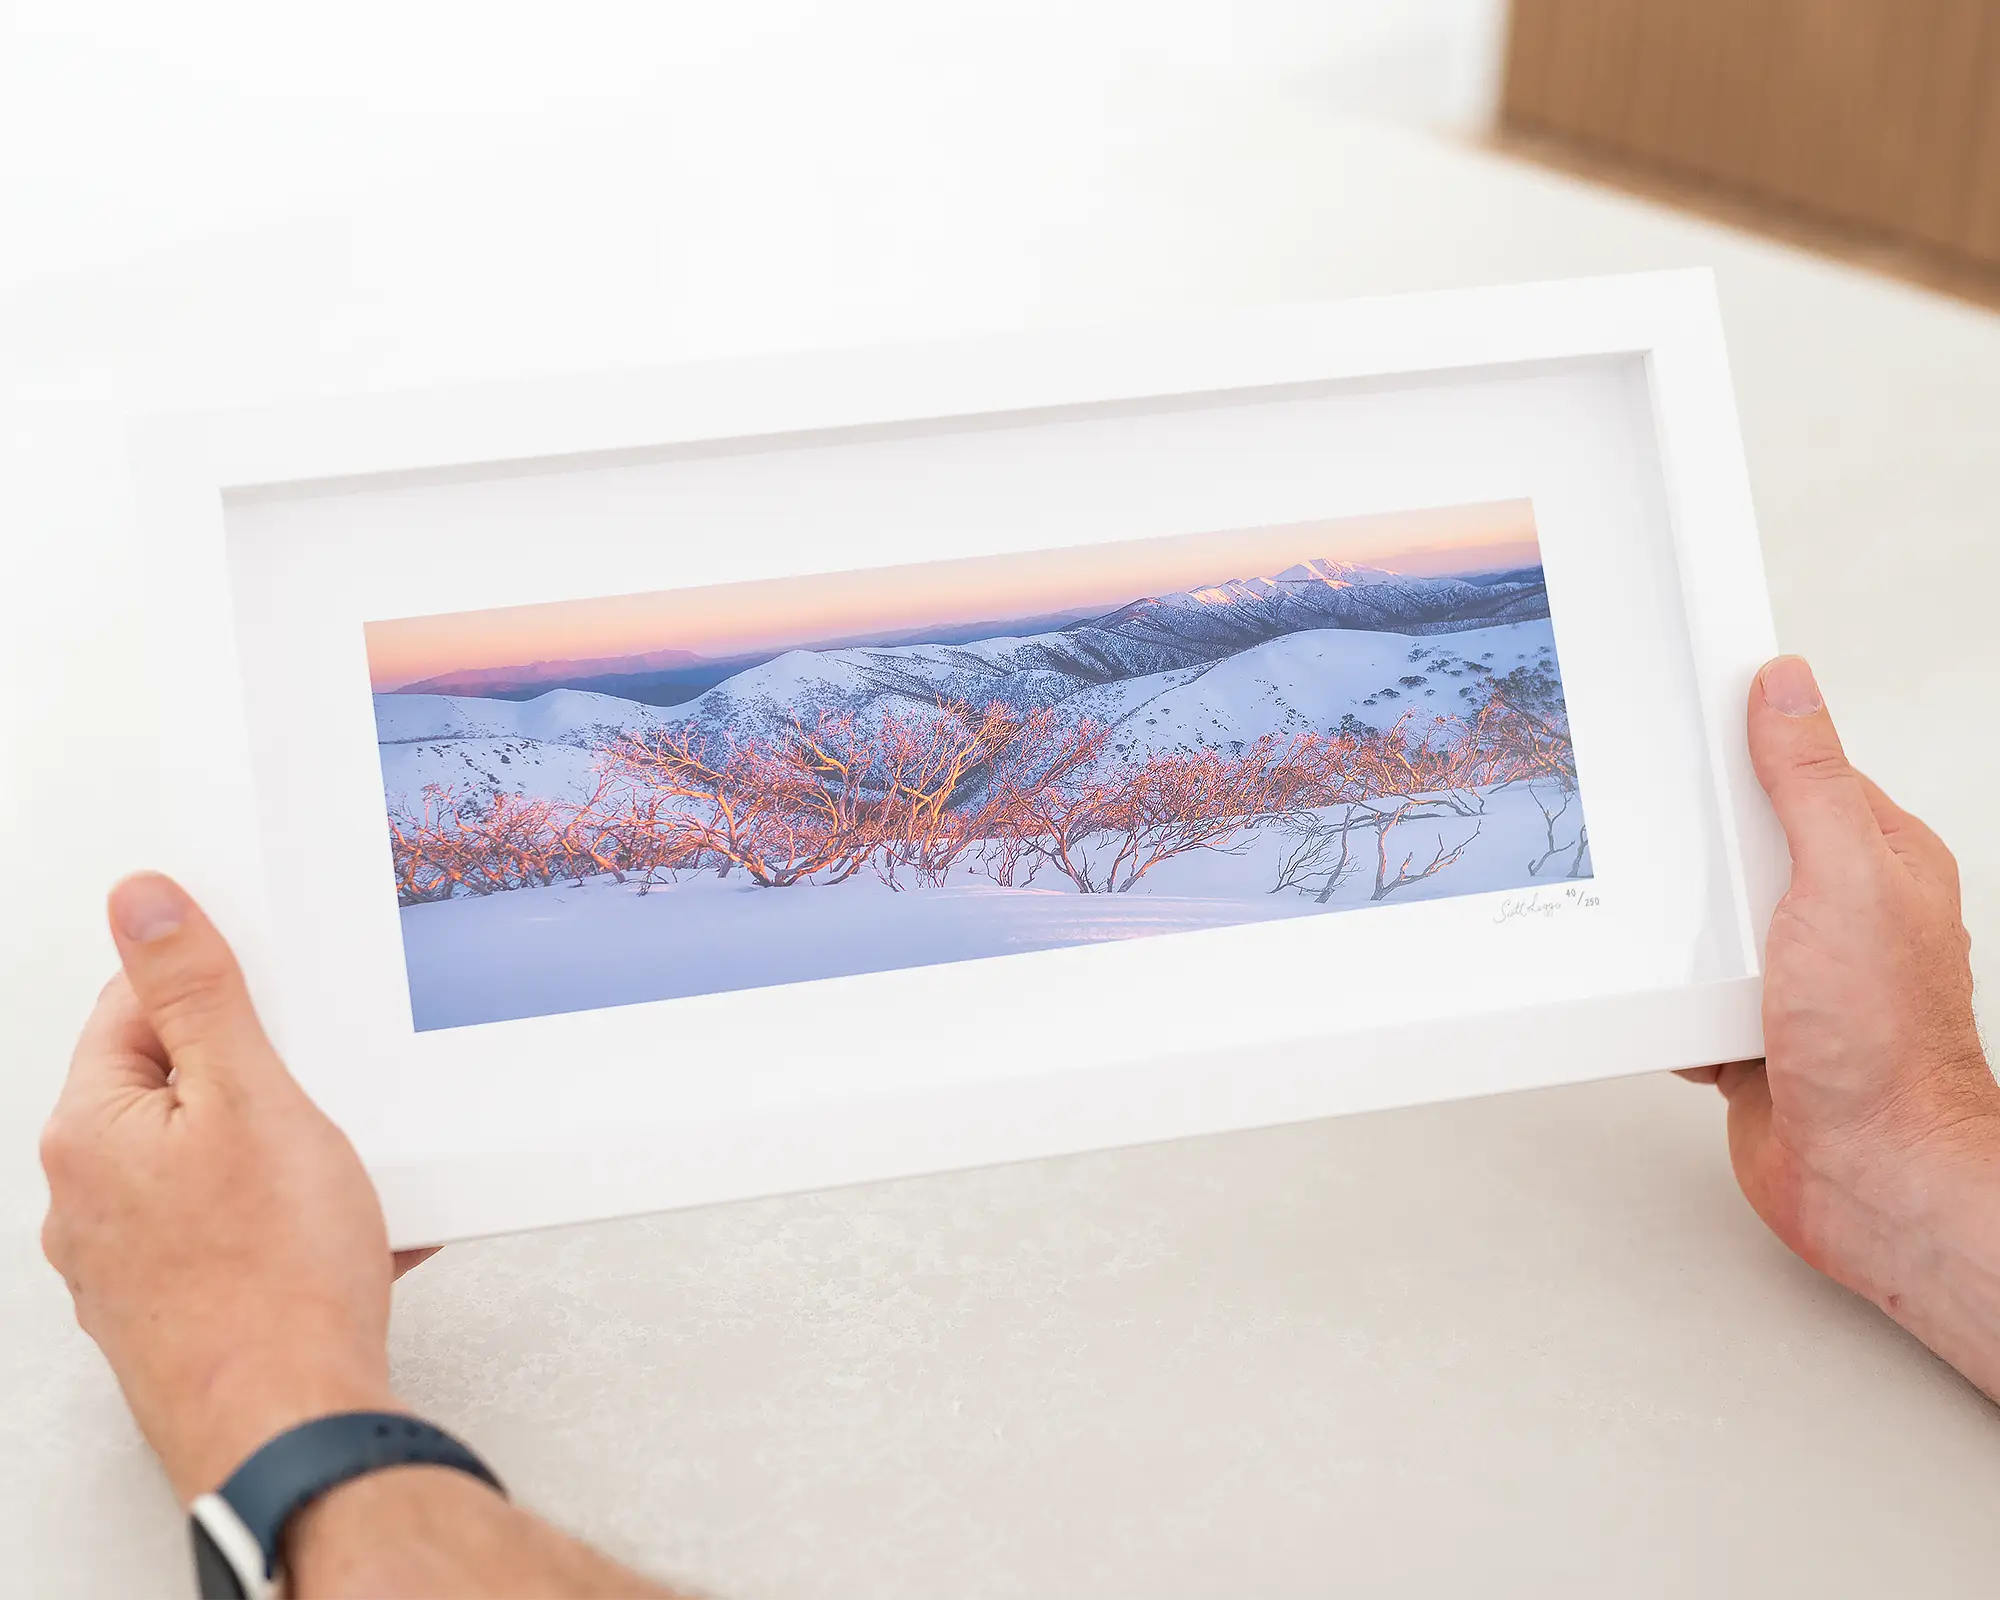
1609, 66
1883, 113
1979, 206
1667, 70
1869, 111
1816, 69
1524, 90
1951, 79
1687, 60
1564, 39
1743, 43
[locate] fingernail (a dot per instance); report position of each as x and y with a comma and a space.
147, 907
1789, 687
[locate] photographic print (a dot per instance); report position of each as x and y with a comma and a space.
601, 802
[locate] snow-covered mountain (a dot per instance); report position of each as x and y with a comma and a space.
1228, 617
1186, 631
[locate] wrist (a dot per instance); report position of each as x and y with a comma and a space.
368, 1534
1934, 1222
247, 1403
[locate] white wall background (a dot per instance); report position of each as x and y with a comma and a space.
125, 123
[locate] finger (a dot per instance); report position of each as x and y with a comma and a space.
1911, 838
1758, 1162
1697, 1074
117, 1051
187, 984
1819, 798
408, 1260
1735, 1076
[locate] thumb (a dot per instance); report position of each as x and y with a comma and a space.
1821, 800
187, 982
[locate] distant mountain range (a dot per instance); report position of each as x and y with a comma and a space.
1149, 635
673, 677
538, 677
1209, 623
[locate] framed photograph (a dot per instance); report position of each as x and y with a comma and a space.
662, 787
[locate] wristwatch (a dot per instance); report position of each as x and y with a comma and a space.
239, 1529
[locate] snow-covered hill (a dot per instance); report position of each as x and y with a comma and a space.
474, 747
1193, 629
1314, 682
473, 769
562, 716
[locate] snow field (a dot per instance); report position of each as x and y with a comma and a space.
532, 952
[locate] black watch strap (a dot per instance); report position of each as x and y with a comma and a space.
239, 1530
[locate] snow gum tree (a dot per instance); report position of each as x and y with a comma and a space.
935, 787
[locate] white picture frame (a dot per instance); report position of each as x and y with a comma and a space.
252, 517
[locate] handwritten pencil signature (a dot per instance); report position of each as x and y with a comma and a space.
1545, 903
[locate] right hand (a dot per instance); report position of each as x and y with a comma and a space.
1868, 1139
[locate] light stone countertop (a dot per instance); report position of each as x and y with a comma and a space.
1532, 1345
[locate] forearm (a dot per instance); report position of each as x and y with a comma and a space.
433, 1532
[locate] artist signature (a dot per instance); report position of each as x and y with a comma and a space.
1545, 903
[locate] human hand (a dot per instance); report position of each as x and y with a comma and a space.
222, 1243
1868, 1139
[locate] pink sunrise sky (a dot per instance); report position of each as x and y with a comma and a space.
777, 614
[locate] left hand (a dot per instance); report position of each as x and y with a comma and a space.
221, 1241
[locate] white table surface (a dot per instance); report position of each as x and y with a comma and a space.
1534, 1345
